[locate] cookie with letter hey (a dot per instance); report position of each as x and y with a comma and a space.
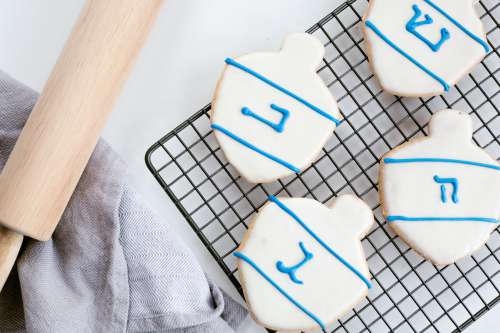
441, 193
271, 112
422, 47
301, 263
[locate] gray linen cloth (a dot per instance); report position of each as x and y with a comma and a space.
112, 265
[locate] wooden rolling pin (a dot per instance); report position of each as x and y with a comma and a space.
64, 126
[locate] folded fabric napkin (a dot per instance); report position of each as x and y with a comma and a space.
112, 265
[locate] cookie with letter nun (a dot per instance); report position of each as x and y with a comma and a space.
441, 193
272, 113
423, 47
301, 263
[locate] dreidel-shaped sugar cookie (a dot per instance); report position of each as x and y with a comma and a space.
271, 112
422, 47
441, 193
301, 263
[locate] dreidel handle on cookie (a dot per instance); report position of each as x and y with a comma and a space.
62, 131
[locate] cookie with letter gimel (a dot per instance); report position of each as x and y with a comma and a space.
301, 263
271, 112
441, 193
423, 47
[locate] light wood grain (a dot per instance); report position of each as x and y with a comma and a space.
60, 135
10, 244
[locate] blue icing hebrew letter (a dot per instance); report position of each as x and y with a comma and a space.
413, 24
453, 182
278, 127
293, 269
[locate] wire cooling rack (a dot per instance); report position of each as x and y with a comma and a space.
409, 293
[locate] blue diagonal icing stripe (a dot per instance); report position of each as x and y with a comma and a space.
440, 160
254, 148
261, 77
459, 25
319, 240
392, 218
279, 289
433, 75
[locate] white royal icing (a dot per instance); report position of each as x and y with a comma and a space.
451, 26
468, 210
284, 90
328, 286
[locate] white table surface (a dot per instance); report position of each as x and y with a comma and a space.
174, 76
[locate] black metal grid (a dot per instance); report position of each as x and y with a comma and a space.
409, 293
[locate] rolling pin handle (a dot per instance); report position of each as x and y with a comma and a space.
10, 244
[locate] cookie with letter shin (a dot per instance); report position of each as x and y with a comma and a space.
422, 47
441, 193
271, 112
301, 263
